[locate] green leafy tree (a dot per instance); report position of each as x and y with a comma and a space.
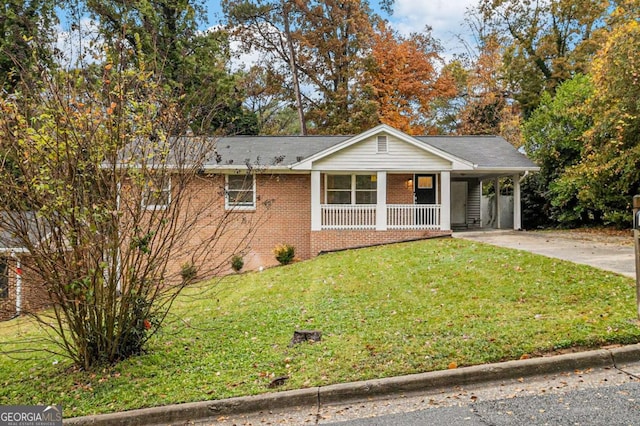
554, 139
608, 176
195, 65
27, 32
213, 95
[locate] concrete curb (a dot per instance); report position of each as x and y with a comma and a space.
626, 354
370, 389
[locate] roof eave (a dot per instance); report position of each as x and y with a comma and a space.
509, 169
457, 162
234, 167
13, 250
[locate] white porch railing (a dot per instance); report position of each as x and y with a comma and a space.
363, 216
348, 216
413, 216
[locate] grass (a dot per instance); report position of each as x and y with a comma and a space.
383, 311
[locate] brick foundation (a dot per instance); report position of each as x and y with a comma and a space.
324, 241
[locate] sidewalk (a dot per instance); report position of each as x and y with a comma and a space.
307, 403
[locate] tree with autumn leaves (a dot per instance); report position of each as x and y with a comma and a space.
608, 174
340, 64
544, 42
404, 80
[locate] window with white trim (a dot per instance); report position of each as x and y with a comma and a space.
351, 189
240, 192
157, 193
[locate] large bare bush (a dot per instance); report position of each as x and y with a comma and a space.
101, 180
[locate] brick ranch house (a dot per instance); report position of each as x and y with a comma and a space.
381, 186
337, 192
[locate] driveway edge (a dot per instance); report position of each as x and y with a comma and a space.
370, 389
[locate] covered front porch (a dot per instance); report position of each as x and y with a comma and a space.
402, 201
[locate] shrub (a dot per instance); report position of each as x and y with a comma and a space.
237, 263
284, 253
188, 272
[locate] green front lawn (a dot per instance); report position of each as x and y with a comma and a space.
383, 311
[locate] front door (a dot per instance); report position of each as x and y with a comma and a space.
425, 189
459, 202
425, 193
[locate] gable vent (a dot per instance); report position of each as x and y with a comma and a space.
382, 144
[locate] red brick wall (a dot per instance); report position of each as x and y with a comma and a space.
397, 191
8, 305
282, 216
287, 220
34, 295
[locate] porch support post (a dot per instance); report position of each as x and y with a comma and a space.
445, 201
496, 186
381, 204
517, 206
316, 212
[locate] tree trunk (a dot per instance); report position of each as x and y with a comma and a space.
294, 68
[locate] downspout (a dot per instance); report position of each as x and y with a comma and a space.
118, 257
18, 284
526, 173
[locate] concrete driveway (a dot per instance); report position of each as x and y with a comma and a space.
609, 252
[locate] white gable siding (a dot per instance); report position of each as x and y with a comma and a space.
400, 156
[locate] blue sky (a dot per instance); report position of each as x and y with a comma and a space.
446, 17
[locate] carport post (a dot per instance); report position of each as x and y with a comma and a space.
636, 242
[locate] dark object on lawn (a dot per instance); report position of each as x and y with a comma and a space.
300, 336
278, 381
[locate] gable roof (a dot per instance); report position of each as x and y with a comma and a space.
384, 129
298, 152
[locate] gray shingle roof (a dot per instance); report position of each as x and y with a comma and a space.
484, 151
281, 151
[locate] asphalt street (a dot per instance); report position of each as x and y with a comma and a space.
610, 405
594, 396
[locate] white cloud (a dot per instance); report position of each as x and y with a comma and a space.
242, 59
445, 17
79, 44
